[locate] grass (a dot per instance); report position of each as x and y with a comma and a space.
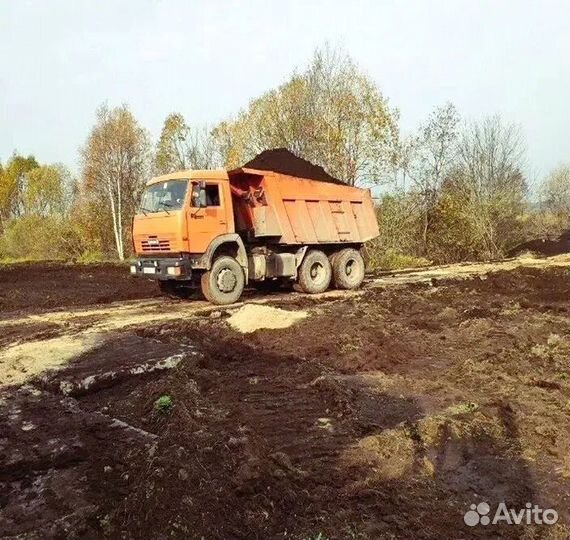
90, 256
82, 260
350, 343
163, 404
463, 408
20, 260
512, 308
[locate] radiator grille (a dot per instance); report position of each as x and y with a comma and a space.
155, 244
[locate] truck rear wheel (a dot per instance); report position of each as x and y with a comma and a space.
348, 269
315, 272
224, 282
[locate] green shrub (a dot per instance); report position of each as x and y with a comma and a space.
36, 237
163, 404
390, 259
32, 237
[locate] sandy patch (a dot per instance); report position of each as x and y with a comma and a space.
466, 270
112, 318
22, 361
252, 317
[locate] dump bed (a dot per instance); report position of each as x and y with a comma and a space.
288, 210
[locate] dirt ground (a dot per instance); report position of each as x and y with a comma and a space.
544, 246
383, 413
35, 286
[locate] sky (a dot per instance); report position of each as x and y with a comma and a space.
207, 59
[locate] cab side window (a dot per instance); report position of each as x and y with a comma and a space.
212, 195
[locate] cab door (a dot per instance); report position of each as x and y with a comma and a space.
206, 222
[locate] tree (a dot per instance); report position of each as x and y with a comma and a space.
45, 191
180, 147
428, 159
36, 220
115, 164
331, 114
555, 193
490, 181
12, 186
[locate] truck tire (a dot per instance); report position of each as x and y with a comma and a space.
348, 269
315, 272
332, 257
224, 282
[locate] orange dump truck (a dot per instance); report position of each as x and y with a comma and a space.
223, 229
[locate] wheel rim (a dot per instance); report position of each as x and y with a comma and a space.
226, 280
317, 272
350, 268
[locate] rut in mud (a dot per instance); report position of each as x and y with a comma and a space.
379, 416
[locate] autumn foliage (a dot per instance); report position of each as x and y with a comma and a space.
453, 190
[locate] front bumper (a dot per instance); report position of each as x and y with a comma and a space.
177, 268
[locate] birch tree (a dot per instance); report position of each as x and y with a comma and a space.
115, 163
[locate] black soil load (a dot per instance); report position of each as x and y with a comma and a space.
283, 161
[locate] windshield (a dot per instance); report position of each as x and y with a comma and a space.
164, 196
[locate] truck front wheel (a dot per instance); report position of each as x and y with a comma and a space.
315, 272
348, 269
224, 282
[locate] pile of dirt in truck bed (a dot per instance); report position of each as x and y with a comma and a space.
53, 285
384, 415
283, 161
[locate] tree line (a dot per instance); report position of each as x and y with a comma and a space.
453, 190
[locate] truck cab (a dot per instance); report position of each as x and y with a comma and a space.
180, 212
181, 218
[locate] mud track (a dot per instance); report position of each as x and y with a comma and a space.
382, 413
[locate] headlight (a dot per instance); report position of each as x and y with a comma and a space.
133, 269
173, 270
